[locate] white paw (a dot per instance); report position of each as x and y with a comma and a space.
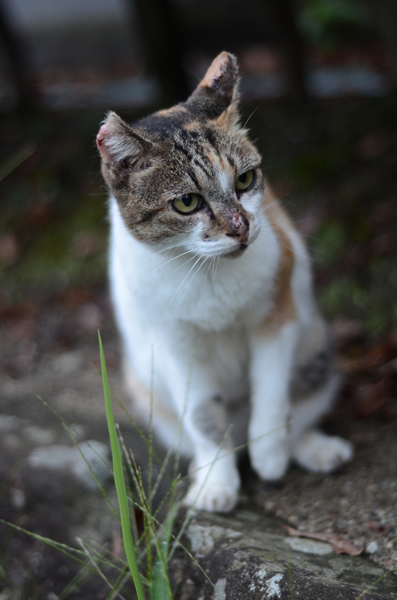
212, 496
270, 459
320, 453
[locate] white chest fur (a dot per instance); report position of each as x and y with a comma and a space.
212, 294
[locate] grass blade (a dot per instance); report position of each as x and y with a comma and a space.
160, 589
120, 483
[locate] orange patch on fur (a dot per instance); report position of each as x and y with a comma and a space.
166, 112
192, 126
284, 308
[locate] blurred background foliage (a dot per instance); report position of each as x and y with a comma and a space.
319, 94
327, 23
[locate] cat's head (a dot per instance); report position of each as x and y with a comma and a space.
188, 176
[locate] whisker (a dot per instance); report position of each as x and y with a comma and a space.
166, 263
218, 260
181, 284
185, 263
170, 247
253, 112
209, 266
194, 274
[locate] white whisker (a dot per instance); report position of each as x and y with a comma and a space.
253, 112
194, 274
211, 260
166, 263
181, 284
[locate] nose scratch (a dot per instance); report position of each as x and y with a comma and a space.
240, 227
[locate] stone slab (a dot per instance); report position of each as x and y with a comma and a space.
247, 555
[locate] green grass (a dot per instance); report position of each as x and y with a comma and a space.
118, 473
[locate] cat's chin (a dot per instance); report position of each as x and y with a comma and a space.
237, 252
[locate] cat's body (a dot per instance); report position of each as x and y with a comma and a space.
213, 296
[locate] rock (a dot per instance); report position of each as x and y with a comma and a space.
9, 423
372, 547
39, 435
249, 556
68, 362
74, 460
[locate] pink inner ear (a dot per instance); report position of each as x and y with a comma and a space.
101, 142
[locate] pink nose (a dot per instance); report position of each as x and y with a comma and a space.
240, 227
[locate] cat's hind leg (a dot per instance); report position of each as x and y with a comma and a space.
312, 449
320, 453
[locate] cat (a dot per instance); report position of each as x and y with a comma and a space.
213, 295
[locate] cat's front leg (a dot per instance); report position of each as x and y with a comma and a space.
214, 472
271, 364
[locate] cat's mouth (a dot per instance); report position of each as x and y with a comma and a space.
237, 252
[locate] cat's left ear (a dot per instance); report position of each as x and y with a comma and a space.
218, 90
120, 146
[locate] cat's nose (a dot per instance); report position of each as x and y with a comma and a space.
239, 227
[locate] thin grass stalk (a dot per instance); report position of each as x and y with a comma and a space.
147, 531
96, 566
103, 491
69, 431
186, 521
185, 400
136, 426
150, 461
74, 583
118, 585
120, 483
161, 472
63, 548
131, 472
374, 584
176, 540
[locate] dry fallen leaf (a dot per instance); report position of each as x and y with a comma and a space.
339, 545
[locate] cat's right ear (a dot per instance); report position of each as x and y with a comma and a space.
120, 146
218, 89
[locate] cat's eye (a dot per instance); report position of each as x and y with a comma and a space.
187, 204
245, 181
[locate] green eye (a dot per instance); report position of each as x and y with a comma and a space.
245, 181
187, 203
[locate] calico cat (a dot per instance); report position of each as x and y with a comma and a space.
213, 295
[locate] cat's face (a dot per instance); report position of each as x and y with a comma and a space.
188, 177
